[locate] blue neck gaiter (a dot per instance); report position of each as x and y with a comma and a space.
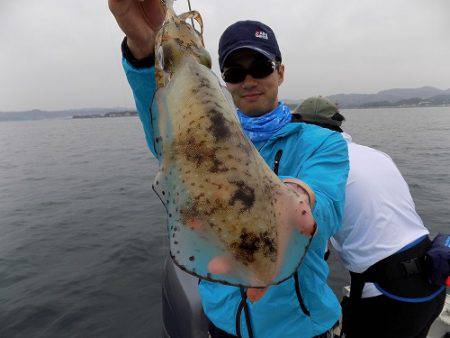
261, 128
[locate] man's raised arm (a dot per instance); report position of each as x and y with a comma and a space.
139, 21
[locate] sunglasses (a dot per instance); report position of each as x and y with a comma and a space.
259, 69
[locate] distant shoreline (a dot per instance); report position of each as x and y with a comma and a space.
384, 107
293, 106
41, 115
105, 115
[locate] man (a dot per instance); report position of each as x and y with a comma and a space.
304, 305
383, 240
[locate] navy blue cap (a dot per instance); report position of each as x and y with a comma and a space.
248, 34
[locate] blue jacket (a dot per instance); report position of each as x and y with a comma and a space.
318, 157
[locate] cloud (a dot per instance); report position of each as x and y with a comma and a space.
59, 54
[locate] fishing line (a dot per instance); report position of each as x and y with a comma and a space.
190, 10
189, 6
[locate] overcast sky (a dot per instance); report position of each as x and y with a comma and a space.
65, 54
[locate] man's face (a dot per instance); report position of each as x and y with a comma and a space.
254, 97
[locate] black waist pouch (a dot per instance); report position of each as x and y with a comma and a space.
438, 259
405, 275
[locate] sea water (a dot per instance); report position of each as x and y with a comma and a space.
82, 235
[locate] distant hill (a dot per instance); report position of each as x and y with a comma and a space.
438, 100
409, 93
292, 102
37, 114
389, 97
398, 97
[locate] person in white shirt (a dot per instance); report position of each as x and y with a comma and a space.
382, 240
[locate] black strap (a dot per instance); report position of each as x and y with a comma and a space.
276, 163
400, 265
238, 317
247, 313
393, 271
299, 295
357, 282
327, 254
243, 305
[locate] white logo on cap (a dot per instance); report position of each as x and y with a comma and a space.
261, 35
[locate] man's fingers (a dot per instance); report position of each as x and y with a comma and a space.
255, 294
220, 265
297, 210
139, 20
303, 220
153, 12
194, 224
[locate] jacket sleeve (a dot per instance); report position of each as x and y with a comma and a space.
326, 172
143, 85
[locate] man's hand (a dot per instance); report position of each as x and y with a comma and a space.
301, 217
139, 20
298, 212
